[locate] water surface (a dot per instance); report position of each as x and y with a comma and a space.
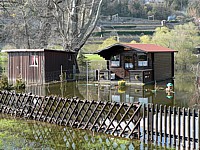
26, 134
185, 93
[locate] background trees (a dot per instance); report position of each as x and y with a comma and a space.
43, 23
194, 8
184, 39
176, 4
68, 24
23, 25
109, 41
141, 9
76, 19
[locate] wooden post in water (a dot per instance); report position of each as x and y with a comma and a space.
144, 122
156, 134
152, 120
170, 124
148, 122
161, 124
198, 122
139, 124
193, 122
188, 122
174, 126
183, 125
179, 126
165, 126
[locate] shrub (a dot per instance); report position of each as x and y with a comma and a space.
4, 85
19, 85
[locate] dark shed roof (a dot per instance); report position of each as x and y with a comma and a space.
34, 50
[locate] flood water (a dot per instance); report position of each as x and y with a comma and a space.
21, 134
17, 134
185, 92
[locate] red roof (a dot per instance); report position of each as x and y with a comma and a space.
149, 47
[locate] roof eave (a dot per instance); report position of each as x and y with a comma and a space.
33, 50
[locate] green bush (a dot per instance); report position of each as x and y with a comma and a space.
4, 85
19, 85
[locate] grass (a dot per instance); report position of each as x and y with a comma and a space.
88, 48
96, 62
94, 57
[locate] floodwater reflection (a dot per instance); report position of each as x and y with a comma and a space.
153, 93
23, 134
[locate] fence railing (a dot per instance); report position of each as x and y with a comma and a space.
165, 125
171, 125
106, 117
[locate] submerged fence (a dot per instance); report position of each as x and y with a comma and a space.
106, 117
157, 123
170, 125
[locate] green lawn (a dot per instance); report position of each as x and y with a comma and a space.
96, 62
94, 57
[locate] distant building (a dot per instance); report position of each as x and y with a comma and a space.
171, 18
138, 63
39, 66
153, 1
198, 49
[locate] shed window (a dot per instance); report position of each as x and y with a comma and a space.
128, 62
115, 61
33, 60
142, 60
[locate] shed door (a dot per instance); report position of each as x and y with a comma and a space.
128, 62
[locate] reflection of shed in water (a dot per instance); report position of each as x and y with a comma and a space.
128, 94
138, 63
62, 89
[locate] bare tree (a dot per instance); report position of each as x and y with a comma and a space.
39, 23
23, 26
194, 8
76, 19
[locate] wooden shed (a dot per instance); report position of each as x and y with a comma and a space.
38, 66
138, 63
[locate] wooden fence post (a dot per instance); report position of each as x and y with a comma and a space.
183, 125
144, 122
174, 126
152, 120
179, 126
188, 122
161, 124
194, 129
165, 126
170, 124
198, 122
148, 122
